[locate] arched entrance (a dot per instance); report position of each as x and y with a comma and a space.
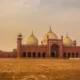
77, 54
54, 51
69, 55
39, 54
64, 55
53, 54
24, 54
43, 54
34, 54
72, 55
29, 54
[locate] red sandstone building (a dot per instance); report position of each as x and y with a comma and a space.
51, 47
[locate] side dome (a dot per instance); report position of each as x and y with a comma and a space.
49, 35
67, 41
32, 40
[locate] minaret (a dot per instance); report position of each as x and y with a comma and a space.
19, 45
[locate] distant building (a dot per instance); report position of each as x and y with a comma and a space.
51, 47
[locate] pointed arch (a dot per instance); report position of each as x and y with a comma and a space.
34, 54
55, 50
24, 54
29, 54
39, 54
68, 55
77, 55
64, 55
43, 54
73, 55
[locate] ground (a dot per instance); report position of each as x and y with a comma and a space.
39, 69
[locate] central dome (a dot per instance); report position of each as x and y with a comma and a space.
49, 35
32, 40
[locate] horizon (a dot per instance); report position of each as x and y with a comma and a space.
23, 16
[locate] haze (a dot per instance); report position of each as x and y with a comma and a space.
23, 16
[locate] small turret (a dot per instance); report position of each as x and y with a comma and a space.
62, 38
74, 43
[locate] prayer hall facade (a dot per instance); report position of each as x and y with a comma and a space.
51, 47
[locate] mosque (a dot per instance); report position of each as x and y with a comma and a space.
51, 47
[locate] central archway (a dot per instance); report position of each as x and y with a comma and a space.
54, 51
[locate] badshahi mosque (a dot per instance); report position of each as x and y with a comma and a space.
51, 47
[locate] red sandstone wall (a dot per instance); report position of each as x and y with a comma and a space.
8, 54
72, 50
39, 48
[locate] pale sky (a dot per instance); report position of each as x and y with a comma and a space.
23, 16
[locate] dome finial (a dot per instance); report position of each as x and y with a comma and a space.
50, 30
66, 34
32, 32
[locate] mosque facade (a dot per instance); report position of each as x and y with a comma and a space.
51, 47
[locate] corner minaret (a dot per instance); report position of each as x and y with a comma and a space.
19, 45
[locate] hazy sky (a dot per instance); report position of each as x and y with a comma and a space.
23, 16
